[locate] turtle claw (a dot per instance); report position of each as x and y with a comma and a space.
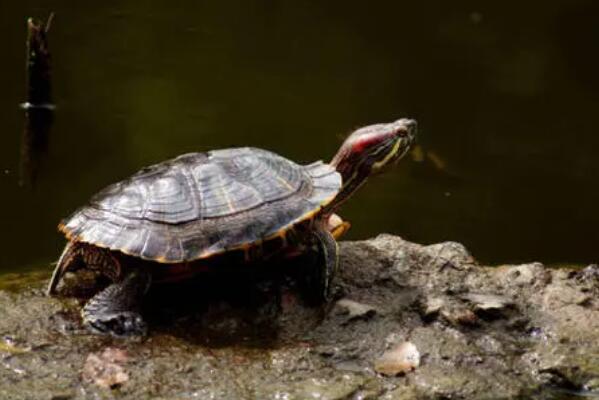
121, 324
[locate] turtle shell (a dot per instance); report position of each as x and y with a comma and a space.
201, 204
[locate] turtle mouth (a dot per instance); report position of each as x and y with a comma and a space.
404, 149
410, 139
411, 135
411, 126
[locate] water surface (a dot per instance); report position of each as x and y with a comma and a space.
506, 95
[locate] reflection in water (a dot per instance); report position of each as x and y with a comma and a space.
39, 107
34, 143
419, 154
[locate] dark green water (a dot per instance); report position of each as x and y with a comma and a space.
506, 94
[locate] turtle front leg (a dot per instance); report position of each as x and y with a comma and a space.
116, 309
322, 273
337, 226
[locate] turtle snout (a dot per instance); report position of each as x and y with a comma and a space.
411, 127
405, 128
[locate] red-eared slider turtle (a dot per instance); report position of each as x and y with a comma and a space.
194, 208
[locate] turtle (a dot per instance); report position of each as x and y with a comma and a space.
235, 205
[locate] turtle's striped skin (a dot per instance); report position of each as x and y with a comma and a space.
198, 207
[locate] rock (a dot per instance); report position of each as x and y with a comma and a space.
402, 358
508, 332
402, 393
105, 369
525, 275
8, 345
486, 302
338, 387
489, 305
432, 306
355, 310
449, 254
459, 316
449, 310
592, 385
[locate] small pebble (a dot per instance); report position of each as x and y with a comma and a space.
403, 358
487, 302
433, 305
105, 370
353, 309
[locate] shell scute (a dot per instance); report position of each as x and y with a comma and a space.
201, 204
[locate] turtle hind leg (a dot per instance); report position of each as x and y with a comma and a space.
322, 272
116, 309
70, 256
78, 254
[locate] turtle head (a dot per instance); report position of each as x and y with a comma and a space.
370, 150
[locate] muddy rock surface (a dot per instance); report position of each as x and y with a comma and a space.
456, 329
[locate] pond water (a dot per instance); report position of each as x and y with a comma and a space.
506, 95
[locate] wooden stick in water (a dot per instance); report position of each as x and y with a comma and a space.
38, 107
39, 93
